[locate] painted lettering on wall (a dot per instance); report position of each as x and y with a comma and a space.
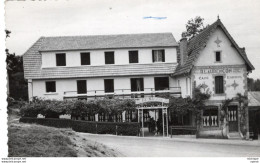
234, 77
218, 70
203, 78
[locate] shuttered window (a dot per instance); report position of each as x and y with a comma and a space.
85, 58
133, 56
50, 86
219, 85
109, 58
61, 59
109, 85
158, 55
81, 86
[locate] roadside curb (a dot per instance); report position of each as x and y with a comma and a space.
191, 140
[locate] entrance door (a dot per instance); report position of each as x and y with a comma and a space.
232, 118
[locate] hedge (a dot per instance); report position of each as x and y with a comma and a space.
115, 128
60, 123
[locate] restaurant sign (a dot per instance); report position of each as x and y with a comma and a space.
218, 70
151, 99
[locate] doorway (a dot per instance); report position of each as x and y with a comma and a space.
232, 118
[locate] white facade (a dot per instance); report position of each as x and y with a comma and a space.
97, 57
69, 86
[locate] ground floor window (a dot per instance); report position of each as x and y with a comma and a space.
210, 116
131, 116
109, 85
50, 86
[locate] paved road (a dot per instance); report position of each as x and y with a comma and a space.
167, 147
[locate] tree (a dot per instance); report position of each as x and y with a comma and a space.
253, 85
194, 27
17, 85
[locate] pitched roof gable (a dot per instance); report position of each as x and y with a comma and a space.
108, 41
198, 43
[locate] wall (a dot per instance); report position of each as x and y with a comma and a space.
97, 57
232, 68
64, 85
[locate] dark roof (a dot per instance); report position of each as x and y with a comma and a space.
108, 41
254, 98
196, 44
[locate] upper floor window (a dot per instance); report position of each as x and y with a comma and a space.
109, 58
133, 56
218, 56
158, 55
219, 84
60, 59
85, 58
50, 86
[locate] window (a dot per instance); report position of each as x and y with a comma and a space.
109, 85
61, 59
50, 86
158, 56
133, 56
81, 86
137, 84
218, 56
219, 85
210, 116
161, 83
109, 58
85, 58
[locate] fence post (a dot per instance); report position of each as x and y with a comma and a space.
96, 128
116, 129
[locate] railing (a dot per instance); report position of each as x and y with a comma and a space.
124, 93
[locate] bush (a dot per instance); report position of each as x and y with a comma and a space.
59, 123
106, 128
31, 109
84, 126
119, 128
131, 129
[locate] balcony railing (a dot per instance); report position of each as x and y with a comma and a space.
124, 93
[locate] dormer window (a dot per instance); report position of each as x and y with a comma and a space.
218, 56
60, 59
158, 55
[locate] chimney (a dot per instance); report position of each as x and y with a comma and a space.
183, 49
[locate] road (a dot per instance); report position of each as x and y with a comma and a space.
167, 147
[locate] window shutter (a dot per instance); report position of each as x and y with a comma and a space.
153, 55
163, 55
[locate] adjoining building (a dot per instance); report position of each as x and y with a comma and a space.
254, 113
143, 66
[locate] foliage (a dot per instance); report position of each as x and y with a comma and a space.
119, 128
59, 123
77, 108
224, 109
253, 85
194, 27
17, 84
181, 106
242, 100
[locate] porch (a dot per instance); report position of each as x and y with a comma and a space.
123, 93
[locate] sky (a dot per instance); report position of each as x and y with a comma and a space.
29, 20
